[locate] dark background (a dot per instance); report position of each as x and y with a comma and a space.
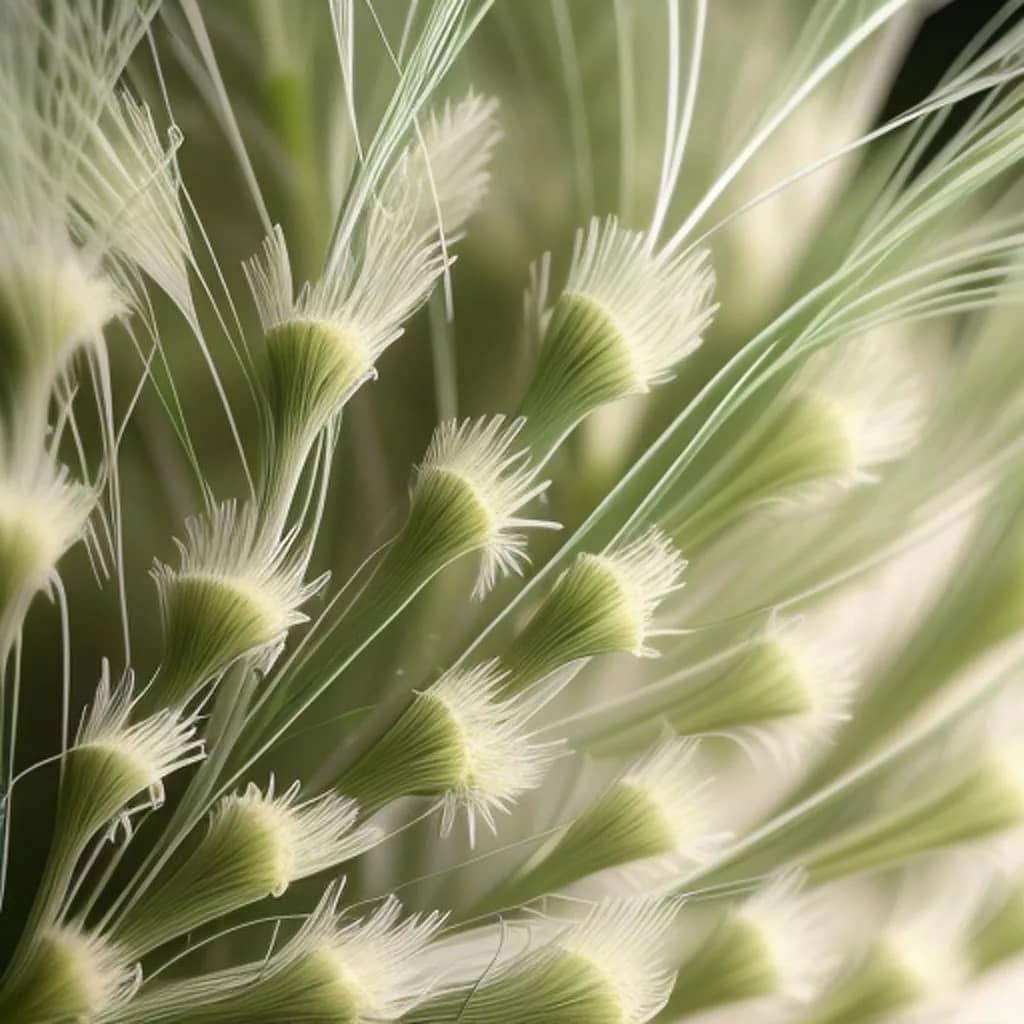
941, 37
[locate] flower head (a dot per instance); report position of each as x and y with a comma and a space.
675, 800
786, 690
235, 593
499, 760
657, 808
42, 514
53, 301
127, 758
459, 740
300, 839
602, 603
257, 844
627, 316
337, 967
473, 483
71, 974
656, 305
865, 406
608, 968
769, 952
323, 341
370, 966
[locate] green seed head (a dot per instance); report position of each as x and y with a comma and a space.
69, 975
627, 316
42, 514
607, 969
769, 948
257, 844
458, 739
466, 496
51, 304
236, 593
601, 604
313, 368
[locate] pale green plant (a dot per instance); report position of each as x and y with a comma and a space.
646, 647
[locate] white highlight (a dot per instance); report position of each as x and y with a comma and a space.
377, 958
501, 759
661, 304
624, 940
369, 294
480, 452
229, 547
310, 836
648, 569
153, 747
666, 775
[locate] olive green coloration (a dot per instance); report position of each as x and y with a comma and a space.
734, 963
588, 612
563, 988
422, 754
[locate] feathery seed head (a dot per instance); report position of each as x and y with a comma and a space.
627, 316
676, 800
851, 410
657, 808
112, 762
623, 940
606, 969
451, 166
114, 759
323, 342
647, 569
460, 740
659, 304
335, 969
300, 839
785, 690
467, 492
855, 412
318, 354
314, 367
256, 845
601, 604
72, 975
370, 967
235, 593
52, 302
499, 760
771, 949
42, 514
